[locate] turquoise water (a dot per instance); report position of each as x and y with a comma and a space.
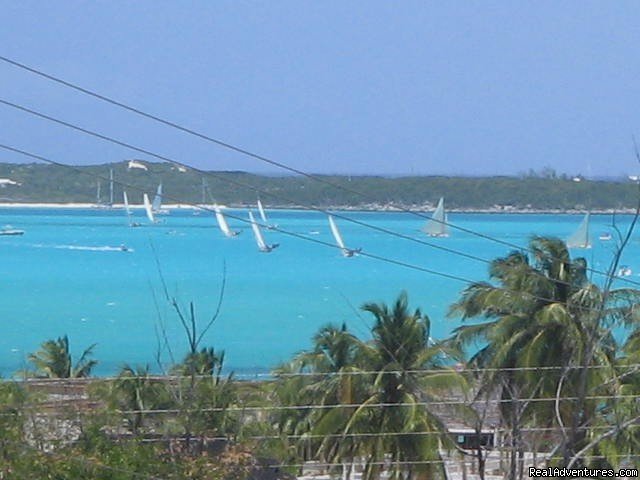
67, 275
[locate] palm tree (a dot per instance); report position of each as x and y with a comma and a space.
290, 389
53, 360
410, 370
205, 362
203, 394
543, 312
370, 395
617, 430
336, 380
135, 391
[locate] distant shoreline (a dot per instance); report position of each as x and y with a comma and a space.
349, 208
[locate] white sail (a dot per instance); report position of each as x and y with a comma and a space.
111, 187
126, 204
222, 223
580, 238
347, 252
263, 216
336, 234
262, 246
157, 200
148, 209
437, 226
204, 192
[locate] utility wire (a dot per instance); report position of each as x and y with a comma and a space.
454, 461
236, 182
386, 463
365, 254
263, 158
247, 221
311, 436
296, 235
251, 187
118, 142
276, 375
354, 406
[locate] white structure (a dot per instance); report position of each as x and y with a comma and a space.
7, 181
135, 164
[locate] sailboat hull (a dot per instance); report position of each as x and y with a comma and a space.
438, 235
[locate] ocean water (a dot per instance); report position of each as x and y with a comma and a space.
67, 275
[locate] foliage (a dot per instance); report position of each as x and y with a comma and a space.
544, 313
134, 392
364, 388
53, 360
49, 183
348, 401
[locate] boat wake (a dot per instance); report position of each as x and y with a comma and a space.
88, 248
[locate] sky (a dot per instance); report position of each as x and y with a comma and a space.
386, 88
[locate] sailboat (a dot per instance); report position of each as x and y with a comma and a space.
437, 226
605, 236
128, 210
99, 202
262, 245
203, 200
347, 252
263, 216
580, 238
222, 223
148, 209
111, 188
8, 230
156, 206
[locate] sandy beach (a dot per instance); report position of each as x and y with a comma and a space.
508, 209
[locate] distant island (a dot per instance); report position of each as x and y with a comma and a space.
41, 183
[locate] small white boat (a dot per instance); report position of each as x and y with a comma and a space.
580, 238
437, 226
605, 236
624, 271
262, 245
346, 252
222, 223
11, 231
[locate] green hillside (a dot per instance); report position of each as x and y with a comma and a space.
48, 183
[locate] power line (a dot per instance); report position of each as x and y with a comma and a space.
251, 187
434, 403
277, 375
297, 235
236, 182
235, 217
427, 433
118, 142
390, 463
359, 406
263, 158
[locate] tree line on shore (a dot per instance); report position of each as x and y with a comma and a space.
545, 190
544, 359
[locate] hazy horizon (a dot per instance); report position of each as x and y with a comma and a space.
419, 89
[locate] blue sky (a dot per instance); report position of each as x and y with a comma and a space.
472, 88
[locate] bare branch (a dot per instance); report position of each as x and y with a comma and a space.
220, 301
601, 437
